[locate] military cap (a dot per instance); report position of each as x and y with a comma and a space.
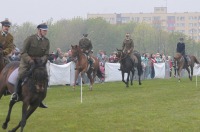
6, 22
42, 26
85, 34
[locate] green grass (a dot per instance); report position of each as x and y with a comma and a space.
158, 105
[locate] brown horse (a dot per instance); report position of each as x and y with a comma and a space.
33, 90
83, 66
2, 60
180, 64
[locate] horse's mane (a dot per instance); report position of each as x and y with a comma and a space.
40, 73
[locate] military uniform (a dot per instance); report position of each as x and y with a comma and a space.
6, 41
34, 47
180, 48
128, 47
85, 44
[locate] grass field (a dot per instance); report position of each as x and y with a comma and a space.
158, 105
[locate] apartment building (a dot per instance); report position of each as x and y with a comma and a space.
186, 22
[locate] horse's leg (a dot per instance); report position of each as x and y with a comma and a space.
5, 124
123, 77
76, 77
188, 70
127, 80
132, 74
139, 75
91, 80
179, 74
27, 113
30, 110
191, 67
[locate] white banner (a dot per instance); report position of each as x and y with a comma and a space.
159, 70
60, 74
112, 73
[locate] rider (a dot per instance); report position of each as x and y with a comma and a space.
35, 46
128, 47
6, 39
86, 46
181, 49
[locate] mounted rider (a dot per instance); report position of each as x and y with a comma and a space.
6, 39
86, 46
35, 46
181, 49
128, 47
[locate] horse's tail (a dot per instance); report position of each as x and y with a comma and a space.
195, 60
139, 66
99, 73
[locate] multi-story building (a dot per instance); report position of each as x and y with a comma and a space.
186, 22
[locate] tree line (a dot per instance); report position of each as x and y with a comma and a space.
104, 36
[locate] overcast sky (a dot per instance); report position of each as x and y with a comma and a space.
37, 11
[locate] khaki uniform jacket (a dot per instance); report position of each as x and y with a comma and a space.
128, 45
33, 47
7, 43
85, 44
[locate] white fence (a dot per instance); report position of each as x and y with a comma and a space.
64, 74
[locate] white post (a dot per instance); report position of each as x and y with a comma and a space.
196, 80
81, 91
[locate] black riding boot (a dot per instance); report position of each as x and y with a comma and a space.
91, 63
186, 62
42, 105
15, 95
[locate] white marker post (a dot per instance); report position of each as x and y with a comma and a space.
196, 80
81, 91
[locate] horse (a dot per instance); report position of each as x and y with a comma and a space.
127, 66
137, 63
2, 59
180, 64
33, 90
83, 66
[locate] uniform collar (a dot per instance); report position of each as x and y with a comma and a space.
39, 38
4, 33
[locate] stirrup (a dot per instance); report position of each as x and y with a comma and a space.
14, 97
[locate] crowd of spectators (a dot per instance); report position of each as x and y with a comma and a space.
59, 57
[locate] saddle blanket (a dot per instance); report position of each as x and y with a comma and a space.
13, 77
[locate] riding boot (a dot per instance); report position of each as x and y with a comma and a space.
186, 62
42, 105
15, 95
91, 63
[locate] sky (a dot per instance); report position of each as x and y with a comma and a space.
38, 11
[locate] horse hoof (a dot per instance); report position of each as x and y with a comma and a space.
4, 126
140, 83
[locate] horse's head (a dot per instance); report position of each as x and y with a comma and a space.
75, 50
177, 56
40, 78
119, 53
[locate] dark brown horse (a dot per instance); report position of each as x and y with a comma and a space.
33, 91
83, 66
137, 63
180, 64
127, 66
